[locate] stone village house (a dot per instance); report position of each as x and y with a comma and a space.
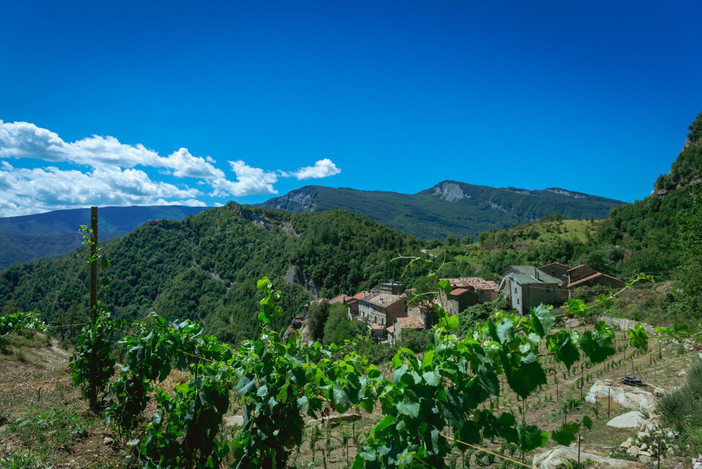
467, 291
528, 287
581, 276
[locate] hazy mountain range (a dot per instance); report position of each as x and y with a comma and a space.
52, 234
448, 208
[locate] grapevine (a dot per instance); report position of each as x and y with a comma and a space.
280, 383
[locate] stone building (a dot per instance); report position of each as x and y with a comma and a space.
528, 287
382, 308
581, 276
467, 291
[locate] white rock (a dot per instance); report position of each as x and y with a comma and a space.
644, 447
108, 441
628, 396
233, 420
645, 457
629, 420
682, 373
560, 454
633, 451
626, 444
642, 435
572, 322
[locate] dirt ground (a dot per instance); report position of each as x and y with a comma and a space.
44, 422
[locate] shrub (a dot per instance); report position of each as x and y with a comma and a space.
682, 408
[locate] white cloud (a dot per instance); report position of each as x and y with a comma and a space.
101, 170
25, 140
321, 169
249, 181
43, 189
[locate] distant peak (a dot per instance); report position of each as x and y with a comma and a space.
567, 193
450, 191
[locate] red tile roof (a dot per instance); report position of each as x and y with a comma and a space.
474, 283
361, 295
410, 323
339, 299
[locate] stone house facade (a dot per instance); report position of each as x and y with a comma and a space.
528, 287
382, 308
581, 276
467, 291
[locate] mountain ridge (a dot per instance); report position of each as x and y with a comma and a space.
447, 208
52, 234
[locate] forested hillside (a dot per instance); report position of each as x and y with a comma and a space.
653, 231
52, 234
449, 208
206, 267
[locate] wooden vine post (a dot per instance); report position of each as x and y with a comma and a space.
93, 261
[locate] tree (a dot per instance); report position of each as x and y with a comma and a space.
317, 318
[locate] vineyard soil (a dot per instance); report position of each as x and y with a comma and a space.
43, 418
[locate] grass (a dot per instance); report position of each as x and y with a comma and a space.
24, 460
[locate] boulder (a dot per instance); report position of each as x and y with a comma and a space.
632, 419
560, 455
334, 420
626, 444
630, 397
645, 457
633, 451
233, 420
573, 322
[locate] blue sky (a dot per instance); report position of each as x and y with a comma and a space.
125, 103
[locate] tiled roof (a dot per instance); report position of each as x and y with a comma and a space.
530, 275
383, 299
474, 283
555, 264
593, 276
410, 323
361, 295
339, 299
458, 291
391, 329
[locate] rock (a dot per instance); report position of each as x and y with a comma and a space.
630, 397
573, 322
629, 420
334, 420
658, 392
626, 444
633, 451
645, 457
560, 455
682, 373
108, 441
644, 447
233, 420
642, 436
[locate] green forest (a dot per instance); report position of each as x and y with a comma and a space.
205, 267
